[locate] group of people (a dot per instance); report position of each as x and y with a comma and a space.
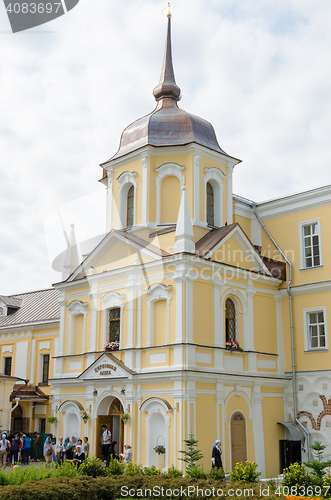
73, 449
108, 448
15, 448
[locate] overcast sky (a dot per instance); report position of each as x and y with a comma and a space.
258, 70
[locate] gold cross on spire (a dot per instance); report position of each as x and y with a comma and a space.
166, 11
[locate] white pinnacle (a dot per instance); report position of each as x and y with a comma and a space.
184, 230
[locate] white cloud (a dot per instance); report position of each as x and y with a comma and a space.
258, 71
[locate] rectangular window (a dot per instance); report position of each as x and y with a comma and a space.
316, 331
114, 324
45, 368
311, 255
7, 366
42, 426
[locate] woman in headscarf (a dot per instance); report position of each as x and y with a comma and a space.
216, 456
4, 449
112, 453
127, 456
79, 454
48, 450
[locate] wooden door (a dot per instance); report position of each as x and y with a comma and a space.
238, 439
102, 420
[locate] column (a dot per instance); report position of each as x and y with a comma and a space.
258, 429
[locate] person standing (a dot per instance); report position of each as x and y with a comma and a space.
48, 450
36, 444
16, 447
127, 456
4, 449
26, 448
216, 456
59, 451
86, 445
106, 440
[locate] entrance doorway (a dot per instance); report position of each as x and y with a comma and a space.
238, 439
114, 424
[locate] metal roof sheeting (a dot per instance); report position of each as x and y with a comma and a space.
37, 307
11, 301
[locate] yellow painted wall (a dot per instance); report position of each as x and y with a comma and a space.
232, 253
170, 200
160, 322
203, 313
273, 412
265, 325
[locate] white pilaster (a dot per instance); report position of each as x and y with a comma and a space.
62, 319
196, 159
32, 360
258, 429
109, 199
144, 216
230, 201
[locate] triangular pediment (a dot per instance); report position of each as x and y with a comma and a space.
117, 250
107, 366
231, 246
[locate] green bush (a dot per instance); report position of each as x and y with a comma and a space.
173, 472
196, 471
115, 468
297, 475
109, 488
151, 471
217, 474
245, 472
133, 469
92, 467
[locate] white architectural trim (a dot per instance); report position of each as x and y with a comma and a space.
306, 312
229, 195
215, 177
157, 292
166, 170
301, 241
112, 300
76, 308
110, 198
196, 176
126, 180
151, 406
144, 215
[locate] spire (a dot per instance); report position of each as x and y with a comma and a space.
167, 85
184, 230
72, 257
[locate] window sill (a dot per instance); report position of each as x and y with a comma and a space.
310, 268
43, 384
317, 349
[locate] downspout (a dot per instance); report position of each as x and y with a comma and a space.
11, 411
292, 331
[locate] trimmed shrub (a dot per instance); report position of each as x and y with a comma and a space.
92, 467
115, 468
245, 472
217, 474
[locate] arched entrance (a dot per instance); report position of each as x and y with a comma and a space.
238, 439
17, 419
114, 424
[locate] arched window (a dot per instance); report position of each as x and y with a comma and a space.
210, 204
114, 324
230, 320
130, 205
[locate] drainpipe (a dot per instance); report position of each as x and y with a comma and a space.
292, 331
11, 411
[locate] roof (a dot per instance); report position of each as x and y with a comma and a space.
28, 393
168, 125
36, 307
211, 239
11, 301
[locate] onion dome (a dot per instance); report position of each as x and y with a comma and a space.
167, 125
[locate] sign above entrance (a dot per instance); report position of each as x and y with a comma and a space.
105, 367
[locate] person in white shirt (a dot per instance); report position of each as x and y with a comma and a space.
59, 451
4, 444
106, 440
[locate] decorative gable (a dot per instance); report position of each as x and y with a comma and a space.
107, 366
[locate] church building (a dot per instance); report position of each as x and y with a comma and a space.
199, 312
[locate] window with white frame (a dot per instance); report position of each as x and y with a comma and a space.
316, 331
311, 252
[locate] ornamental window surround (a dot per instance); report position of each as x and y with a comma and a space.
316, 338
310, 244
127, 199
113, 314
213, 191
77, 308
